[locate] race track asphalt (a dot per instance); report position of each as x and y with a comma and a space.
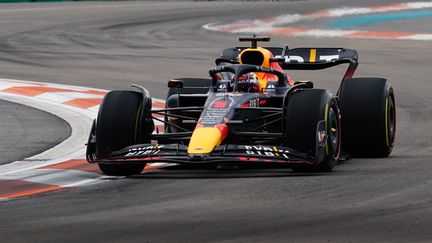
27, 131
111, 45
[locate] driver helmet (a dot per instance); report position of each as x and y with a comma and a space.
248, 83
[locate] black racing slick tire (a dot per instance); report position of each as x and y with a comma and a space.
368, 111
306, 111
120, 124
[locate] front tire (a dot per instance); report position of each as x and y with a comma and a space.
121, 170
306, 111
119, 125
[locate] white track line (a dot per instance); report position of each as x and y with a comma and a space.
274, 24
80, 121
73, 148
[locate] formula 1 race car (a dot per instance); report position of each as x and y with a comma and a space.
249, 111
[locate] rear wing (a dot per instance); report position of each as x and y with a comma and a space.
302, 58
318, 58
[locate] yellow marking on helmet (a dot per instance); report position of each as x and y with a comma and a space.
312, 57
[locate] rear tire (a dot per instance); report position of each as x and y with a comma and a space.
368, 117
306, 108
119, 125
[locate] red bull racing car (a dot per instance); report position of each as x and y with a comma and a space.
249, 111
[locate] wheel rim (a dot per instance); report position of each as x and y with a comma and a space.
334, 131
391, 116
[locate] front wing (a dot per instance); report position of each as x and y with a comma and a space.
226, 154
